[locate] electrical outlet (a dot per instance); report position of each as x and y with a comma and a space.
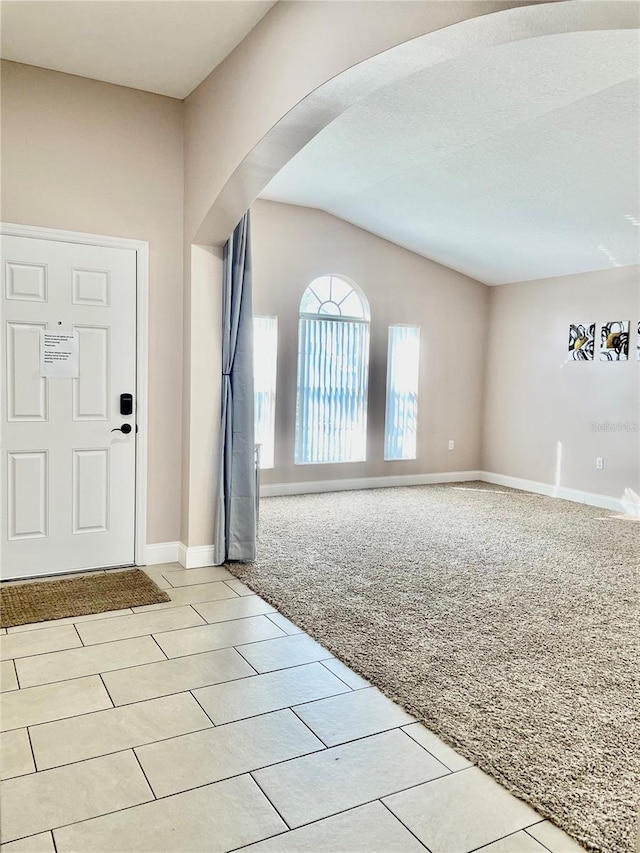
451, 444
599, 462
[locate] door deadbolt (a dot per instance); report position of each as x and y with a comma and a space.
126, 404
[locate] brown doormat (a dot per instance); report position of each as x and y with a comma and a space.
41, 601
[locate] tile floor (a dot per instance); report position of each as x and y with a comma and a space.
213, 723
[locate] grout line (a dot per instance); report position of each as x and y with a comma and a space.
166, 656
338, 677
536, 839
502, 837
428, 751
33, 755
315, 734
402, 823
266, 796
204, 710
75, 628
53, 841
143, 773
104, 684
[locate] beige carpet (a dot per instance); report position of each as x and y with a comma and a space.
23, 603
507, 622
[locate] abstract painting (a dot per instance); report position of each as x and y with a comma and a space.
581, 340
614, 341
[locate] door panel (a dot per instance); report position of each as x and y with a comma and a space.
68, 481
26, 389
28, 495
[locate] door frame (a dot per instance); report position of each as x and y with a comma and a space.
141, 248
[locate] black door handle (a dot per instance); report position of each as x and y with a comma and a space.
125, 428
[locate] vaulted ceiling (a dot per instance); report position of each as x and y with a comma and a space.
510, 163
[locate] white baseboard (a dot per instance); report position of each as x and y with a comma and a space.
195, 557
202, 555
622, 505
161, 552
177, 552
316, 486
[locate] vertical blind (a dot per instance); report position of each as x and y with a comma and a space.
333, 371
401, 421
265, 352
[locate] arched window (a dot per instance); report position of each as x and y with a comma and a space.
333, 373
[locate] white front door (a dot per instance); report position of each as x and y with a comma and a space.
68, 479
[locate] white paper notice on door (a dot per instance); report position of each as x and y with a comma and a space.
58, 354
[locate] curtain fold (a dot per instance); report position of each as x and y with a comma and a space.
235, 522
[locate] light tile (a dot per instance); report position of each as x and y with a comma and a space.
355, 681
174, 676
79, 738
72, 793
217, 636
156, 576
88, 660
336, 779
137, 625
212, 819
15, 754
461, 812
270, 692
187, 577
182, 595
233, 608
8, 679
285, 624
39, 642
53, 702
362, 830
438, 748
281, 653
519, 842
41, 843
553, 838
239, 587
352, 715
197, 759
68, 620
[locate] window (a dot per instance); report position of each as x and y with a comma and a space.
333, 373
265, 353
401, 422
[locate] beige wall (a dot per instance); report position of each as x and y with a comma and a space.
86, 156
294, 245
536, 398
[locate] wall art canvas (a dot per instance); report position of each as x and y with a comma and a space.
614, 341
638, 344
581, 341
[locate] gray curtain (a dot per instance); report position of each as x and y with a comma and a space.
235, 527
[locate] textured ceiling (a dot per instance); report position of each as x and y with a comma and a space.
512, 163
167, 47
